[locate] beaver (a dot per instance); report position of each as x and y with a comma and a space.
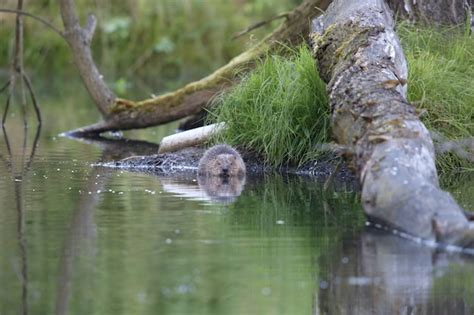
223, 161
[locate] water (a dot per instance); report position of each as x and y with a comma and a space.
81, 239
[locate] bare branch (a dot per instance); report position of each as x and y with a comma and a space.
79, 39
17, 71
90, 27
7, 106
7, 142
33, 97
5, 86
259, 24
35, 17
33, 147
18, 58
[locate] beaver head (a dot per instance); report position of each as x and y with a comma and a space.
225, 165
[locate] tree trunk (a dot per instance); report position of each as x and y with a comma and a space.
433, 11
360, 57
121, 114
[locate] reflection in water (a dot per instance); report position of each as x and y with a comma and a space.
214, 189
107, 241
380, 273
81, 238
118, 148
18, 170
222, 189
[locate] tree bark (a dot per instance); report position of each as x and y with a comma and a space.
446, 12
121, 114
361, 59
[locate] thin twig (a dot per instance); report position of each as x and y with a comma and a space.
40, 19
33, 148
259, 24
7, 106
7, 143
5, 161
5, 86
23, 147
17, 69
18, 57
33, 97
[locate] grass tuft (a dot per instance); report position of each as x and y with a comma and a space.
441, 82
280, 110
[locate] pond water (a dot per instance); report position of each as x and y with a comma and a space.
80, 239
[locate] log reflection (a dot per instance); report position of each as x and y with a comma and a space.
81, 236
381, 273
82, 231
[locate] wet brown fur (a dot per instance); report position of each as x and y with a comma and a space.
221, 160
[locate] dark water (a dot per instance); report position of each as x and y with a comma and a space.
79, 239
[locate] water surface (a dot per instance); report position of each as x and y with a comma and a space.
80, 239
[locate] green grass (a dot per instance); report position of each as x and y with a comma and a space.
441, 83
279, 111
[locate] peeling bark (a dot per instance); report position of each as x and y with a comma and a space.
121, 114
433, 11
361, 59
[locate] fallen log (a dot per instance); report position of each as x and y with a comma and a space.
360, 57
448, 12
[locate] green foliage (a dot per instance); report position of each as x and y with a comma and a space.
441, 82
280, 110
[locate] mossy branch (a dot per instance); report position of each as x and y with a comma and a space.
122, 114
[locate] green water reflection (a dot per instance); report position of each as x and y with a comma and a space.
101, 241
